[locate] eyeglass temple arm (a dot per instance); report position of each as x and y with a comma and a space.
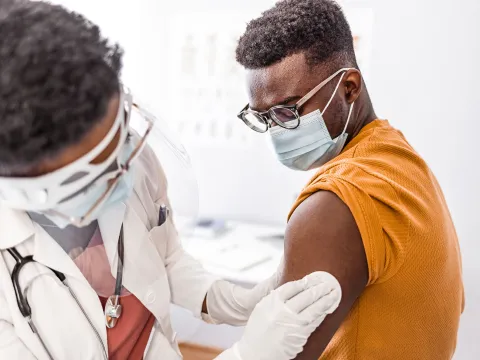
312, 92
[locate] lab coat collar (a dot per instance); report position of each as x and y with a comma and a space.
15, 226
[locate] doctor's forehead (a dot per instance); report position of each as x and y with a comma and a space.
271, 85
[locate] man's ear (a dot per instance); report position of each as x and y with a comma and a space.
353, 85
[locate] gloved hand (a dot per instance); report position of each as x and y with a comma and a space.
232, 304
281, 323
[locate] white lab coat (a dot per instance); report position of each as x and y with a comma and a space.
160, 273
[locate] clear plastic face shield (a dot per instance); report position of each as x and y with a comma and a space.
66, 202
68, 187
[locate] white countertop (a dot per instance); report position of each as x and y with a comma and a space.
245, 253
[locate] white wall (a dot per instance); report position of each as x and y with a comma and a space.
423, 76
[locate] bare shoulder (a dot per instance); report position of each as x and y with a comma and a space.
322, 235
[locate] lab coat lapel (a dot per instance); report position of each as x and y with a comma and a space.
144, 272
110, 223
47, 252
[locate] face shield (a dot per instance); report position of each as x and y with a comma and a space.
63, 192
67, 188
177, 168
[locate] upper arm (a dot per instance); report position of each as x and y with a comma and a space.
322, 236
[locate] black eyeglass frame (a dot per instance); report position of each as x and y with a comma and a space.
267, 117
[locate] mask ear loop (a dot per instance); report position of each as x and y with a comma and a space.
334, 92
348, 118
331, 99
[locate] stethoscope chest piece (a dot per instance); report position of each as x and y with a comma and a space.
113, 311
113, 308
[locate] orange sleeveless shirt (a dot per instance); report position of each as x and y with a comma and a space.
411, 307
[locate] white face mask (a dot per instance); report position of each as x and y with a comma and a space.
309, 145
80, 204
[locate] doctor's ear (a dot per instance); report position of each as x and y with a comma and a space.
353, 85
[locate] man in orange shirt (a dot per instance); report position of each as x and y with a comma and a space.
373, 215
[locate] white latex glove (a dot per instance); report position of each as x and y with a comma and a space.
282, 322
232, 304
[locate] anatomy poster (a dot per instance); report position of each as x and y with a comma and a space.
206, 86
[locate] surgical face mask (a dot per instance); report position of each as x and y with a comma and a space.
309, 145
80, 204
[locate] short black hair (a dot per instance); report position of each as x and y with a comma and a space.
316, 27
57, 77
7, 5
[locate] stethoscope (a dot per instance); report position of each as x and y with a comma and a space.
113, 308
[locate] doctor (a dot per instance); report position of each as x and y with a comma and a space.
89, 256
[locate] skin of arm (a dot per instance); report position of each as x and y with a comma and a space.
322, 235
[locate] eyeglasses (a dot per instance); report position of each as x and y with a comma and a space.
114, 177
286, 116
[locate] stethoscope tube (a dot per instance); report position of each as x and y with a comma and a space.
22, 300
25, 308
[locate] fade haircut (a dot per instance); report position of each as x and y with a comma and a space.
318, 28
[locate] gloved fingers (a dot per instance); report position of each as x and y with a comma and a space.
291, 353
316, 323
307, 297
273, 281
266, 286
319, 277
248, 298
295, 345
323, 306
298, 339
293, 288
289, 290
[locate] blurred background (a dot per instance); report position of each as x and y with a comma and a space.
419, 59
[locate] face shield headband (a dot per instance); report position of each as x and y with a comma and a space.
48, 191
